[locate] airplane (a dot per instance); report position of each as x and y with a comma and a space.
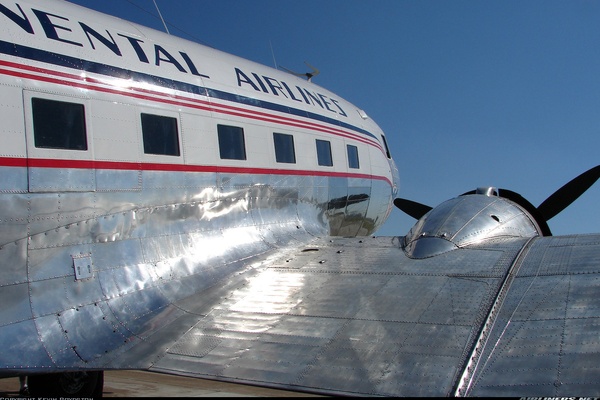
169, 207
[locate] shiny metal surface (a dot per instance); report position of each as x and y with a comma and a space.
545, 337
291, 307
468, 220
357, 316
102, 274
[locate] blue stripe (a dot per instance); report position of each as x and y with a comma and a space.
31, 53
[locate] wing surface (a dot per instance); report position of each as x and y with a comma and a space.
356, 316
545, 336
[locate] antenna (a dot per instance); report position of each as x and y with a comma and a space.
273, 54
161, 17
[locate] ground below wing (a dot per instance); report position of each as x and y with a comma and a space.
356, 316
126, 384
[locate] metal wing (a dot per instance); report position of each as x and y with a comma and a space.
357, 316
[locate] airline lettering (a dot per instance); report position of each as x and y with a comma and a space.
59, 28
273, 86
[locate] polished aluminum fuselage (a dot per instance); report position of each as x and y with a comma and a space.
96, 245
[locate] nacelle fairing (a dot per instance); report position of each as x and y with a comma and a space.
467, 220
485, 214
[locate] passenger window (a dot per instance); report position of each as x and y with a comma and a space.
352, 156
231, 142
58, 124
324, 153
160, 135
284, 148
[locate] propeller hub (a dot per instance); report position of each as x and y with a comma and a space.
487, 191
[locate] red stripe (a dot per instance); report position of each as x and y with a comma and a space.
132, 166
13, 162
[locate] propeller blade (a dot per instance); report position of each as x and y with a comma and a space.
412, 208
567, 194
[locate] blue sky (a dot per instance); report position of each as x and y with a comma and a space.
469, 93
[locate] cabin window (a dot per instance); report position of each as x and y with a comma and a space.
160, 135
324, 153
352, 156
284, 148
231, 142
58, 124
387, 150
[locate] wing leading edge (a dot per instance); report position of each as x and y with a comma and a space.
356, 316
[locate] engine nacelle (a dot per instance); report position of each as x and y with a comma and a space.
469, 219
